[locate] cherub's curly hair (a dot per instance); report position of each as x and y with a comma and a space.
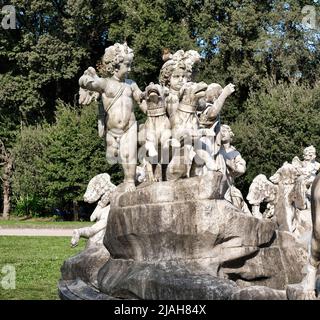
179, 60
113, 56
167, 70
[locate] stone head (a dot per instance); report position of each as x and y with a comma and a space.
117, 60
155, 93
97, 187
213, 92
226, 133
178, 68
309, 153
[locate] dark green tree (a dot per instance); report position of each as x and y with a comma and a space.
54, 163
279, 122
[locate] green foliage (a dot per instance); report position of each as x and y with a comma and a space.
55, 162
242, 41
149, 27
29, 206
278, 123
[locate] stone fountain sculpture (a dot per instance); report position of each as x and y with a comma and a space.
188, 233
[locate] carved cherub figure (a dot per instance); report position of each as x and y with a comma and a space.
209, 127
282, 192
234, 166
118, 96
99, 188
309, 282
176, 72
185, 126
309, 168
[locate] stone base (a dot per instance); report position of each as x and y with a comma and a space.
168, 281
296, 292
181, 240
85, 265
79, 290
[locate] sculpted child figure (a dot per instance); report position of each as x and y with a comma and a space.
234, 166
118, 95
209, 124
177, 71
309, 168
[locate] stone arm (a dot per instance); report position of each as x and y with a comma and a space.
137, 93
91, 81
218, 104
143, 106
138, 96
236, 166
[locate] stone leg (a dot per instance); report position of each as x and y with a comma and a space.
87, 232
128, 156
256, 211
151, 142
112, 149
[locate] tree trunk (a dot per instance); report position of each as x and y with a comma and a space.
7, 162
75, 211
7, 189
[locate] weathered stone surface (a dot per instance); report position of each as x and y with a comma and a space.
276, 265
180, 247
207, 229
85, 265
160, 244
259, 293
204, 187
79, 290
127, 279
297, 292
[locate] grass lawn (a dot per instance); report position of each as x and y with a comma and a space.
34, 223
37, 261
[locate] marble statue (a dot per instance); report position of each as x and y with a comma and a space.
234, 166
176, 75
118, 96
308, 289
178, 228
184, 125
309, 168
284, 194
157, 130
309, 282
99, 189
287, 193
209, 143
262, 190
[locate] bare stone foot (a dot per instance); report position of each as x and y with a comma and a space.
75, 238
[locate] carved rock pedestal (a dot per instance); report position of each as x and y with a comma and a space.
182, 240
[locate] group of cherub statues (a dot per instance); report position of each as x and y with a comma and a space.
182, 137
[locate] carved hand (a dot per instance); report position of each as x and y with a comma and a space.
231, 164
229, 89
89, 75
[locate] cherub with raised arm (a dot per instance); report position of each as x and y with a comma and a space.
118, 96
209, 127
